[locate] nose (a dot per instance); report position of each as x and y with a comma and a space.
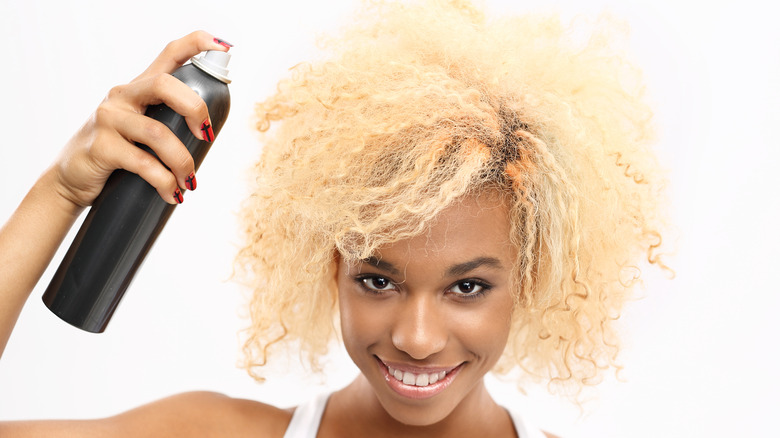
420, 328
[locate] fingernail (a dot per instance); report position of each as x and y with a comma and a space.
208, 134
177, 196
223, 43
191, 183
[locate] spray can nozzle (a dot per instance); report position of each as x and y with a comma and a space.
214, 62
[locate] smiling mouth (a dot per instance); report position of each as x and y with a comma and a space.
420, 384
423, 379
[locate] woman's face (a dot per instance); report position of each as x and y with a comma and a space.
427, 317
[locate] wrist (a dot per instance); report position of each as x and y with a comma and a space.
51, 189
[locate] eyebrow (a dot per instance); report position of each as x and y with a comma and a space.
454, 270
465, 267
381, 264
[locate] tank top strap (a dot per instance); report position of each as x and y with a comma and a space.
307, 417
524, 428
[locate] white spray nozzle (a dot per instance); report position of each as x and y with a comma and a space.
214, 62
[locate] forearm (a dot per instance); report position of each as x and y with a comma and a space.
28, 242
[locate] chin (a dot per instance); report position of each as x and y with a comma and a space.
416, 415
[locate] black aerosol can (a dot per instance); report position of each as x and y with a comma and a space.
128, 215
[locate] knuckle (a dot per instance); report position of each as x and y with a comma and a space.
161, 81
165, 184
103, 114
170, 182
168, 186
147, 163
116, 92
171, 46
199, 107
155, 130
199, 34
186, 163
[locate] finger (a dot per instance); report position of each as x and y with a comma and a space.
177, 52
152, 171
117, 153
170, 150
164, 88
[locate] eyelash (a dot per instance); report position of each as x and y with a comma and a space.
484, 288
363, 280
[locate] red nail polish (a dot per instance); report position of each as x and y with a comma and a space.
208, 134
223, 43
177, 196
191, 183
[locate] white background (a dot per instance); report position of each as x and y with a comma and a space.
701, 351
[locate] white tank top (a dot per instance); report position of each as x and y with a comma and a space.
306, 421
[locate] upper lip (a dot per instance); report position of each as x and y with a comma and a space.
417, 369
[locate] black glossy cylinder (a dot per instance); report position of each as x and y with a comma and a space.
125, 220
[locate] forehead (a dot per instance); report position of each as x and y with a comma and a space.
472, 225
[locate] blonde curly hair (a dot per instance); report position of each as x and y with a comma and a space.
419, 104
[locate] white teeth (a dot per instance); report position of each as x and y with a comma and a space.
423, 379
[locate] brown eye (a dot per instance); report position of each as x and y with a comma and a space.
377, 283
466, 287
469, 289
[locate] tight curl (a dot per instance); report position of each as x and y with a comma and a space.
420, 104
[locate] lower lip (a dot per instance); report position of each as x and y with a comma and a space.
418, 392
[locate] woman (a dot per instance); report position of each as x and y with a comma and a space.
463, 194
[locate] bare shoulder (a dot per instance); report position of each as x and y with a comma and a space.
193, 414
549, 435
206, 414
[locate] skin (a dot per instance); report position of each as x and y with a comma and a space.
422, 322
436, 301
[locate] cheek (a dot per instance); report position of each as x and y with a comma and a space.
486, 331
361, 325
